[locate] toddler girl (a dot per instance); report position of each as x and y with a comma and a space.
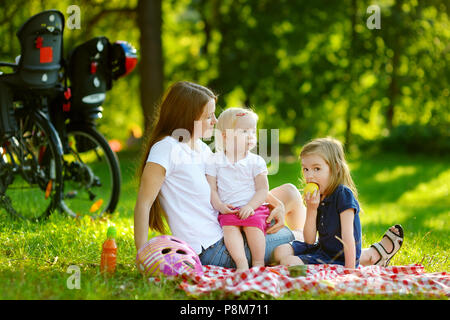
332, 210
239, 186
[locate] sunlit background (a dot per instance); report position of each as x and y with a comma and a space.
308, 68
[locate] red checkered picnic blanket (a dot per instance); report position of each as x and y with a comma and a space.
275, 281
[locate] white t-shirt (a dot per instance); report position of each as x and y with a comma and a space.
185, 194
236, 182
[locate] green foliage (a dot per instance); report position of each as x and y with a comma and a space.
417, 138
311, 67
305, 66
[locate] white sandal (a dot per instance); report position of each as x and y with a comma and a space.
397, 241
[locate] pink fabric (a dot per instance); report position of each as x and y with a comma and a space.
326, 278
256, 220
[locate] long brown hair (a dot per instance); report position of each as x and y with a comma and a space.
332, 151
181, 105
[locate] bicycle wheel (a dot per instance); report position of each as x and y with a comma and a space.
30, 168
91, 173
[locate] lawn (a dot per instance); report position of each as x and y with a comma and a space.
35, 257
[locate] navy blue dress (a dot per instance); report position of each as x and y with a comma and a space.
328, 249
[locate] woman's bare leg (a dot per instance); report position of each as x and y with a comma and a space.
369, 255
282, 252
295, 209
291, 261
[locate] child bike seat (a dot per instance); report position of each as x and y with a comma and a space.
41, 42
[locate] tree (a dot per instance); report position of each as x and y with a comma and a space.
151, 58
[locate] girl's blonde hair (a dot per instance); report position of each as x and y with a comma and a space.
182, 104
332, 151
227, 120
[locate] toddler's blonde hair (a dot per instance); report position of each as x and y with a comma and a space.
227, 120
332, 151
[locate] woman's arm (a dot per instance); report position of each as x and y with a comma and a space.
151, 181
348, 239
277, 213
215, 200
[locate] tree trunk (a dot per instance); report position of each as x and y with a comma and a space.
393, 91
353, 78
151, 59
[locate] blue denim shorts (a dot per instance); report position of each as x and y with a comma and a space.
217, 254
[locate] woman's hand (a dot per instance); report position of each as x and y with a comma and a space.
245, 212
277, 213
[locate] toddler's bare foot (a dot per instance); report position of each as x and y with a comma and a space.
242, 269
258, 264
241, 266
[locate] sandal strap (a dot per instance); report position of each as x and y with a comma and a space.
383, 254
395, 239
391, 235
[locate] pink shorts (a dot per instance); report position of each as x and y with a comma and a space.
257, 220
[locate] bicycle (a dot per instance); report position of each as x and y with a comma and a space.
30, 149
90, 68
75, 152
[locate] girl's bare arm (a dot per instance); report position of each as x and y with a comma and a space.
262, 190
348, 238
310, 229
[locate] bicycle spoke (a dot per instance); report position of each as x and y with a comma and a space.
91, 187
29, 167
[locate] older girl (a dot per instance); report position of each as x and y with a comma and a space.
332, 212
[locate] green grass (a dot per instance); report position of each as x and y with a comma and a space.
34, 257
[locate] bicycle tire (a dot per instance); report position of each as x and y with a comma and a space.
96, 138
47, 170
